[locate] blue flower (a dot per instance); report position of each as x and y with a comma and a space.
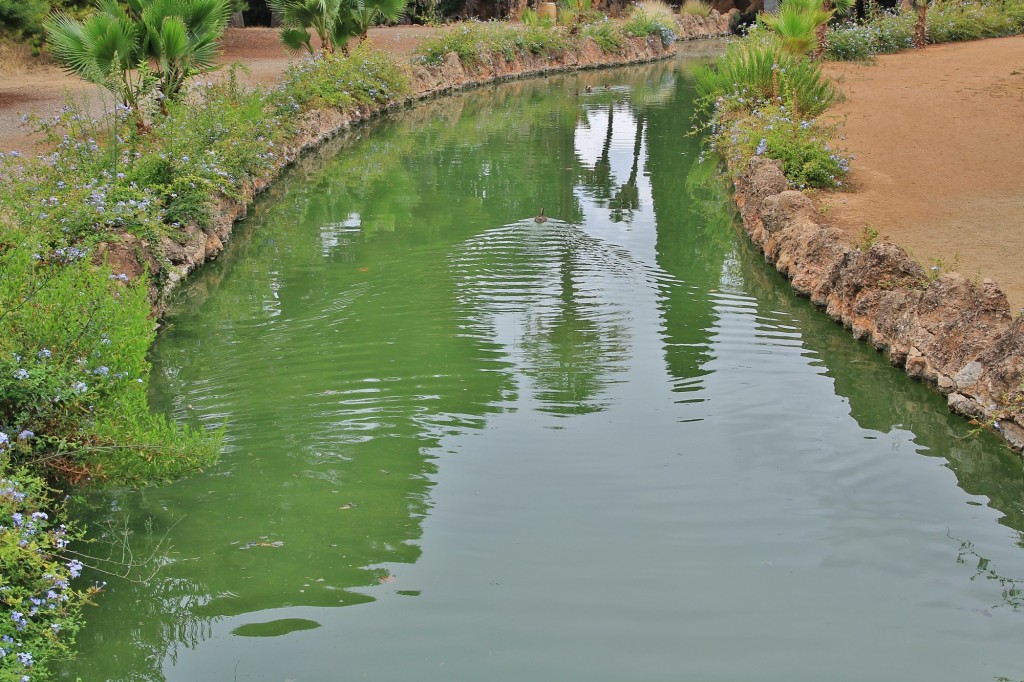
21, 374
75, 568
762, 147
25, 435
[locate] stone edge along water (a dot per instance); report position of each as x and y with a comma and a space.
944, 328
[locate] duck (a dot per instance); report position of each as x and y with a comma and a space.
541, 218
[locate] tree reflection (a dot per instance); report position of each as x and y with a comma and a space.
342, 347
569, 353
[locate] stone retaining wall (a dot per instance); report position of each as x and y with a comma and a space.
944, 328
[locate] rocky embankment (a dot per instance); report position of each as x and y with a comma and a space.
174, 259
940, 327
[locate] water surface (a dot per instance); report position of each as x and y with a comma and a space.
611, 446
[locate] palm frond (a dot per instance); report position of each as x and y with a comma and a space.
295, 40
392, 10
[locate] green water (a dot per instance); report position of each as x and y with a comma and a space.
611, 446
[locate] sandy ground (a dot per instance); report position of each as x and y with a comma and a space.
937, 135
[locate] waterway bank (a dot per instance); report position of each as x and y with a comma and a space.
943, 328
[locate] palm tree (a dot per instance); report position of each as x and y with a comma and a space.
154, 43
919, 27
797, 23
365, 13
332, 21
103, 50
180, 38
840, 7
803, 24
299, 16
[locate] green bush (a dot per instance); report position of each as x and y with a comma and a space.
773, 132
756, 71
968, 21
643, 23
469, 41
606, 34
367, 76
41, 611
894, 32
22, 18
551, 41
851, 42
474, 41
1014, 10
73, 370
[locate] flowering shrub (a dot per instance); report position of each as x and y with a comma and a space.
365, 77
773, 132
40, 611
894, 31
969, 21
73, 371
643, 23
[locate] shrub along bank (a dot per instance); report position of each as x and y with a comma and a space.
761, 102
94, 233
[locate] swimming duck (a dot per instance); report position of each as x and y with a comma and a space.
541, 218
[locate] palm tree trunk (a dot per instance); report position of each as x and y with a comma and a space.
821, 34
919, 28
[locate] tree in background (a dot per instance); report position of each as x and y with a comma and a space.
22, 18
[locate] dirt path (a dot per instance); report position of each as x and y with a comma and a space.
938, 136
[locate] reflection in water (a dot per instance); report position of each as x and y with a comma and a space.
609, 446
547, 291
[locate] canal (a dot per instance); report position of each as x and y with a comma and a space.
462, 444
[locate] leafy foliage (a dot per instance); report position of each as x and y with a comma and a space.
332, 22
366, 77
42, 612
801, 145
893, 32
606, 34
796, 25
755, 71
644, 21
22, 18
153, 44
474, 41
